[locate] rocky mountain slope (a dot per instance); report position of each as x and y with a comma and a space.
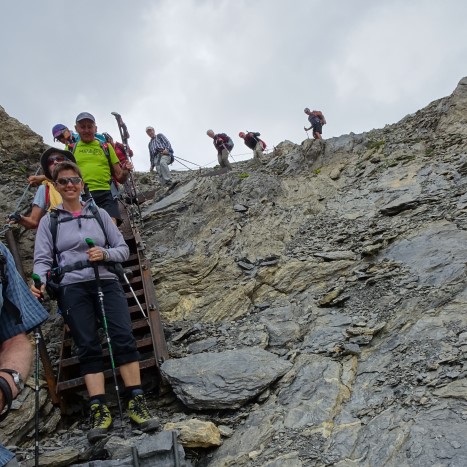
314, 306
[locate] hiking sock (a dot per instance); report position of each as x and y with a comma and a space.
133, 391
97, 399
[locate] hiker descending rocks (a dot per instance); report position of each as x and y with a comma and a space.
252, 140
62, 134
79, 263
161, 156
20, 312
317, 120
46, 197
224, 146
98, 162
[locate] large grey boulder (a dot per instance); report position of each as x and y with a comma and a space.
224, 380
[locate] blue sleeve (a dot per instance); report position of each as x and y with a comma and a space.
39, 198
5, 455
17, 291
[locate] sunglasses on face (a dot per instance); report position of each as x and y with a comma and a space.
53, 159
63, 181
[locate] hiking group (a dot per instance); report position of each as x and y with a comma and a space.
161, 154
76, 253
78, 249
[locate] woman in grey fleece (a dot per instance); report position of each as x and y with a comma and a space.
78, 300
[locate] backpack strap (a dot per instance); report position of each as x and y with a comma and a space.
53, 231
105, 149
47, 195
54, 221
97, 216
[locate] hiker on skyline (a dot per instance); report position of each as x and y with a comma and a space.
78, 295
20, 312
224, 146
97, 166
251, 140
317, 120
160, 156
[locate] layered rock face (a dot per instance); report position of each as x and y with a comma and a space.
315, 306
347, 259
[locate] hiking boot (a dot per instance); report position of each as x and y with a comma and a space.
139, 414
100, 421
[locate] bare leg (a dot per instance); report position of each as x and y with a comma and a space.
95, 384
130, 374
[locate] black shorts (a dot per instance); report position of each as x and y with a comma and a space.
106, 201
317, 128
81, 311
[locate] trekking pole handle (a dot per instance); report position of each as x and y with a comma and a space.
37, 284
90, 242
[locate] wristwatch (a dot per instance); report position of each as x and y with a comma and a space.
17, 379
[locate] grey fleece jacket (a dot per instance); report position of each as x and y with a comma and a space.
71, 245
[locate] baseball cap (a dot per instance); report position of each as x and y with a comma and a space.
85, 116
58, 129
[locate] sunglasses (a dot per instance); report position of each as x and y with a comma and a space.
64, 181
52, 159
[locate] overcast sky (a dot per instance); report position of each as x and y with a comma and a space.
184, 66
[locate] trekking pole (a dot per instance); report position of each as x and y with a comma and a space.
125, 136
25, 191
37, 339
100, 295
230, 154
125, 273
308, 137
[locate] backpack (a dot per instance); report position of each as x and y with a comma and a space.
54, 227
256, 136
227, 141
104, 147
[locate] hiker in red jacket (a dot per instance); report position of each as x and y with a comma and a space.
317, 120
252, 140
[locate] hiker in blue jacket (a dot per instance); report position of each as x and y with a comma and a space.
20, 312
